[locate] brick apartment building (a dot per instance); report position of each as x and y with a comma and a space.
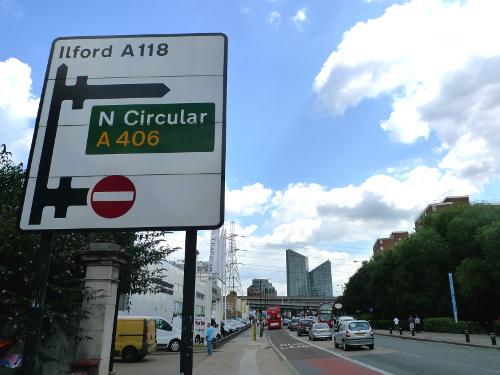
383, 244
433, 207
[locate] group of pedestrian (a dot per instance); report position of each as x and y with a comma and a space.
415, 323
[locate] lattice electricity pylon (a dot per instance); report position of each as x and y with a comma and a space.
233, 282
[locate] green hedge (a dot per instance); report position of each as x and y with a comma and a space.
381, 324
449, 325
445, 325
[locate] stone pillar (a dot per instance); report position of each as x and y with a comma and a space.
103, 261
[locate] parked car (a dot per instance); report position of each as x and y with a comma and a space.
167, 336
320, 331
293, 324
135, 337
304, 326
286, 321
354, 333
231, 326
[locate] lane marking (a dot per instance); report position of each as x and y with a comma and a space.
282, 356
288, 346
362, 364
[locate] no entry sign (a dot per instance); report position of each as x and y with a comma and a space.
130, 134
113, 196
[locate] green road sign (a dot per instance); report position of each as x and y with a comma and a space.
152, 128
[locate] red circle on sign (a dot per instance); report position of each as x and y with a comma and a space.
113, 197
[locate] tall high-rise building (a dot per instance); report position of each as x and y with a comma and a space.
320, 280
301, 282
297, 278
262, 288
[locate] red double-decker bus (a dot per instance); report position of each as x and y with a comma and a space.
274, 318
325, 313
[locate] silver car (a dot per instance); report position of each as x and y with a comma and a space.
320, 331
354, 333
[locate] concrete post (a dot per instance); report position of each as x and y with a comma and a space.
103, 261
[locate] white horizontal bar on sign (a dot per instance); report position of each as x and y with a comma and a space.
113, 196
140, 56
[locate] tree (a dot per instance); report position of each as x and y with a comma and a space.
421, 274
65, 286
413, 278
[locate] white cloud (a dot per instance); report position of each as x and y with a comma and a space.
299, 18
251, 199
18, 107
381, 204
274, 18
439, 62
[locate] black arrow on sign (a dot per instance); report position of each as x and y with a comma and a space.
64, 195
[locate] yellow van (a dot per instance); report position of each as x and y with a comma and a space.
135, 337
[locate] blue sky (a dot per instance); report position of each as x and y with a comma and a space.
344, 118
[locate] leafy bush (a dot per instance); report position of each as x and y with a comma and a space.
381, 324
449, 325
365, 316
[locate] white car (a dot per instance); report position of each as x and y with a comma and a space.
167, 336
344, 319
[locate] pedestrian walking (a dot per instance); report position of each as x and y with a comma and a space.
411, 323
223, 331
418, 326
396, 323
209, 336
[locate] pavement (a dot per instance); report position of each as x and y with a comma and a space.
476, 340
244, 356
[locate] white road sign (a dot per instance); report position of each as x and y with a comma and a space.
130, 134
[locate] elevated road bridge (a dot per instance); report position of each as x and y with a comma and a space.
291, 304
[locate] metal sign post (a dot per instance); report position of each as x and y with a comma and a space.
39, 286
186, 359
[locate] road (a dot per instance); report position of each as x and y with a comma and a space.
390, 356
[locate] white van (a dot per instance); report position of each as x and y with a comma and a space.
167, 336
